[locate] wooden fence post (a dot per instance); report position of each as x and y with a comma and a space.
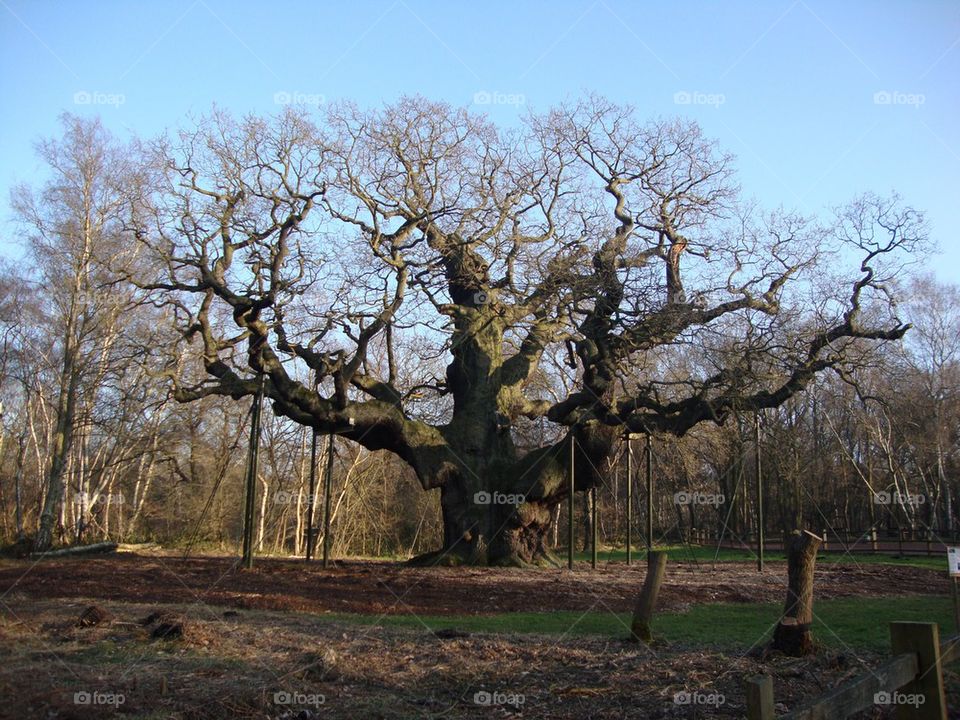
760, 698
646, 602
792, 635
924, 640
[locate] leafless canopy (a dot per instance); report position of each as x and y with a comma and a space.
418, 279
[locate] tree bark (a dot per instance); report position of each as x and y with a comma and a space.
498, 509
643, 612
792, 635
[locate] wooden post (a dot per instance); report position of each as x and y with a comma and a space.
570, 530
956, 604
924, 640
326, 503
253, 458
643, 612
760, 698
311, 498
629, 498
792, 634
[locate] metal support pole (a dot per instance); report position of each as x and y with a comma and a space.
649, 494
311, 498
570, 535
756, 438
253, 458
629, 498
326, 503
593, 525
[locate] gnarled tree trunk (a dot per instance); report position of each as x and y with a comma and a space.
497, 509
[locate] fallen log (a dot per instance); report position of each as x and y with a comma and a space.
101, 548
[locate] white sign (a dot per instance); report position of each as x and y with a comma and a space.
953, 561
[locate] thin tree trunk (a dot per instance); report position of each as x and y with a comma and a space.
62, 441
83, 499
556, 525
105, 534
263, 513
140, 494
38, 454
18, 483
298, 530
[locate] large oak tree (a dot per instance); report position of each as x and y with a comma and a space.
479, 300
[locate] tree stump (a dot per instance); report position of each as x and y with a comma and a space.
792, 636
643, 612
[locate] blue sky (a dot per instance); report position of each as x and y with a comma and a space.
819, 101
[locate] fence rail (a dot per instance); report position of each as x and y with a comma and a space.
916, 669
905, 543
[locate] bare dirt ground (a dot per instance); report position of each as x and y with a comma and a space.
255, 639
374, 587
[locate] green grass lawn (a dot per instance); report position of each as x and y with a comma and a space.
840, 623
706, 554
